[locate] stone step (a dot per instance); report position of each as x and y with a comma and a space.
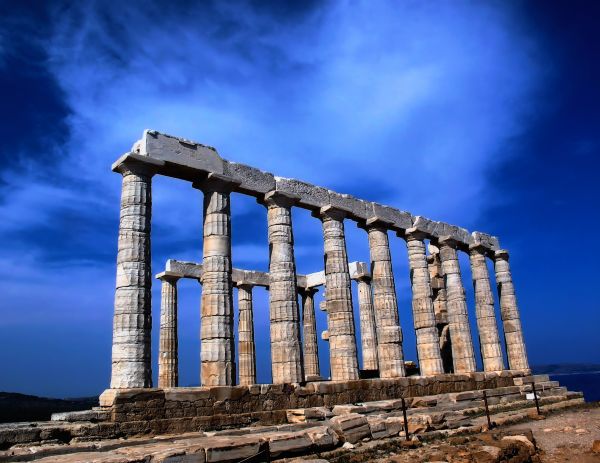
519, 381
93, 415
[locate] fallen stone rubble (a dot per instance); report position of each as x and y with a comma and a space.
309, 431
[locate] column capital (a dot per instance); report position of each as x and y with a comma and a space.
479, 248
332, 212
216, 183
363, 277
279, 198
501, 254
168, 276
374, 223
244, 285
447, 240
133, 163
310, 290
413, 233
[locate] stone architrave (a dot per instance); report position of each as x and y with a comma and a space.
389, 333
340, 315
428, 346
511, 320
309, 325
463, 354
286, 354
489, 340
132, 322
168, 371
247, 349
216, 314
368, 331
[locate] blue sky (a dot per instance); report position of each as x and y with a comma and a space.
482, 114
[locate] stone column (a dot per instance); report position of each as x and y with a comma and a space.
438, 287
368, 333
286, 354
168, 374
216, 314
428, 346
389, 333
513, 334
132, 322
340, 314
463, 355
246, 350
489, 340
309, 324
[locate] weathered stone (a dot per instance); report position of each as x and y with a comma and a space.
340, 314
389, 334
515, 344
311, 349
246, 346
368, 331
286, 354
489, 339
168, 371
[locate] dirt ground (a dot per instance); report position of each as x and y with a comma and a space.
566, 437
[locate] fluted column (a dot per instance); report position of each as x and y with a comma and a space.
368, 333
216, 312
309, 325
428, 346
463, 355
168, 360
489, 340
511, 320
132, 322
246, 347
340, 314
389, 333
286, 354
438, 287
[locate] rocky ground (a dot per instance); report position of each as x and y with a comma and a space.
566, 436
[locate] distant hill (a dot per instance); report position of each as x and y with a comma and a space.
22, 407
565, 368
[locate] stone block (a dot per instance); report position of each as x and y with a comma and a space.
357, 208
458, 234
487, 241
351, 428
253, 181
223, 449
396, 219
292, 442
183, 156
425, 225
309, 196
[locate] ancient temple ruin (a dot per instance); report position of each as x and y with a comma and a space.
299, 411
440, 312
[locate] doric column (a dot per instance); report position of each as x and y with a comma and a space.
168, 374
428, 346
340, 314
489, 340
286, 354
463, 355
511, 320
438, 286
132, 322
368, 333
309, 324
246, 347
216, 312
389, 333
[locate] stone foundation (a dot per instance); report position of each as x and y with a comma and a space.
219, 407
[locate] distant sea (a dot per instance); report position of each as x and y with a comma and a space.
588, 383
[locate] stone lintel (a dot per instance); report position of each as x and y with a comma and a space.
190, 160
448, 240
314, 279
482, 249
